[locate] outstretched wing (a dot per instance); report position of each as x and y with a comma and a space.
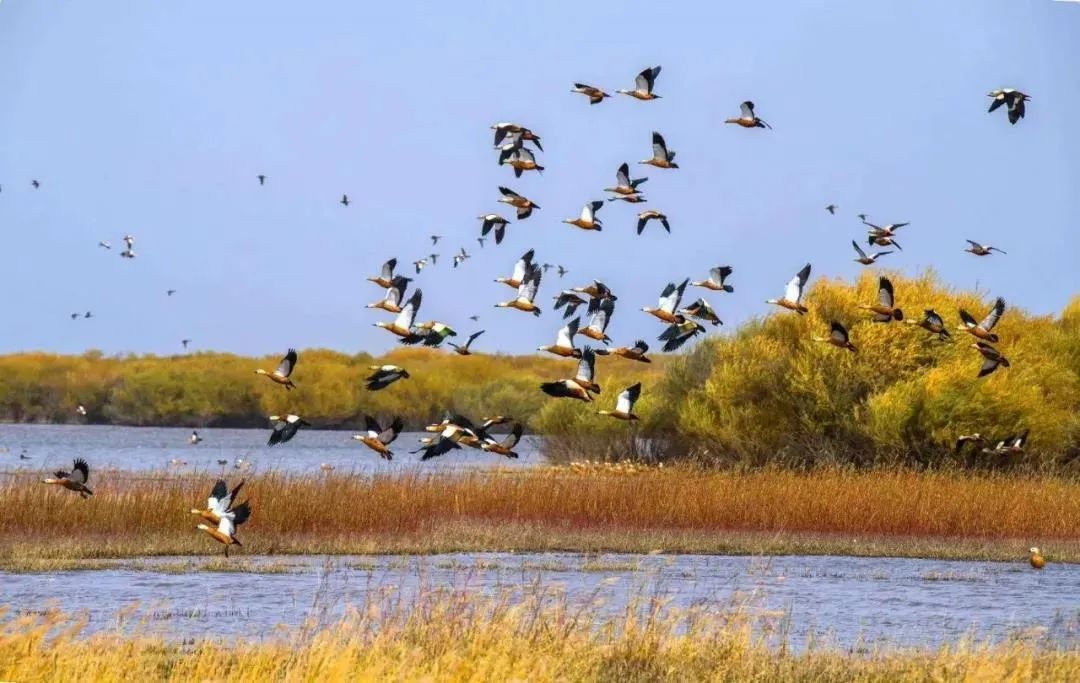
388, 269
885, 292
994, 315
80, 473
408, 312
387, 436
287, 364
746, 109
659, 148
622, 176
627, 399
858, 249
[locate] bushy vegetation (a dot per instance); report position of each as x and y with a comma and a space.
217, 389
769, 393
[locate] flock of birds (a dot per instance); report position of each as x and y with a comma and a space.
517, 148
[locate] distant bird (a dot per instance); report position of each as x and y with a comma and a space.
284, 370
262, 179
75, 480
564, 341
170, 292
629, 198
932, 322
981, 249
386, 274
600, 312
463, 350
222, 462
385, 375
643, 85
831, 208
747, 118
225, 532
462, 256
624, 185
652, 214
104, 245
883, 230
75, 316
395, 294
474, 318
588, 220
635, 352
35, 183
377, 438
23, 455
194, 439
435, 239
522, 160
420, 264
864, 258
679, 332
838, 336
505, 447
885, 310
568, 300
669, 301
992, 358
526, 296
624, 404
515, 133
128, 253
862, 217
524, 205
562, 271
284, 428
1010, 445
793, 293
520, 269
983, 330
88, 314
219, 500
81, 410
481, 240
344, 200
1036, 558
493, 220
597, 290
185, 342
595, 95
717, 280
662, 157
1013, 99
129, 241
701, 310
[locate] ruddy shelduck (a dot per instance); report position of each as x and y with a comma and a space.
283, 372
793, 293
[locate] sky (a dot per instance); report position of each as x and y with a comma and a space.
154, 119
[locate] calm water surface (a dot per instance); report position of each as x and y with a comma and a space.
850, 601
48, 447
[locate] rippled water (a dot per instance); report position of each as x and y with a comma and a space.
48, 447
849, 601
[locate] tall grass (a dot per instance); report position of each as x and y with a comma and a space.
456, 636
631, 509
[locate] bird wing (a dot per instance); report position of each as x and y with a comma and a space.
933, 318
838, 332
967, 319
587, 365
627, 399
988, 366
530, 285
408, 312
659, 148
80, 472
974, 244
472, 338
747, 109
387, 436
622, 176
858, 249
216, 501
507, 192
885, 292
513, 437
287, 364
565, 336
371, 425
994, 315
388, 268
640, 346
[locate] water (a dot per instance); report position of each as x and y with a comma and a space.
850, 601
49, 447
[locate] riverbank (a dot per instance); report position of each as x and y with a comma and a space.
897, 513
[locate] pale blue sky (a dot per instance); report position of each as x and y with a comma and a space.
154, 118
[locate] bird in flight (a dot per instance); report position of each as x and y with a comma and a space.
262, 179
344, 200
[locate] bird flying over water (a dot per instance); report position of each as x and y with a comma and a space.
385, 375
283, 371
225, 531
219, 501
379, 439
284, 428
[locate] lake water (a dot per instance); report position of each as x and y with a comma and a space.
849, 601
48, 447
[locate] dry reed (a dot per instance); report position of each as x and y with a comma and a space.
885, 512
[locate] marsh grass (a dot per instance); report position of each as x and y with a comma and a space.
457, 635
681, 509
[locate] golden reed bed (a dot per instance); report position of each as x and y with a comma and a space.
886, 512
455, 636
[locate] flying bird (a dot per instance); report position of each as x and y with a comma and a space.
284, 428
932, 322
793, 293
225, 532
524, 205
386, 274
194, 439
564, 341
992, 358
624, 404
669, 301
600, 312
1013, 99
104, 245
701, 310
983, 330
652, 214
717, 280
185, 342
379, 439
885, 309
283, 371
219, 501
493, 220
432, 333
831, 208
385, 375
568, 300
395, 294
662, 157
344, 200
522, 160
595, 95
463, 350
75, 480
505, 447
588, 220
863, 257
520, 269
262, 179
35, 183
981, 249
636, 352
527, 291
747, 118
643, 85
435, 239
624, 185
838, 336
680, 331
403, 323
